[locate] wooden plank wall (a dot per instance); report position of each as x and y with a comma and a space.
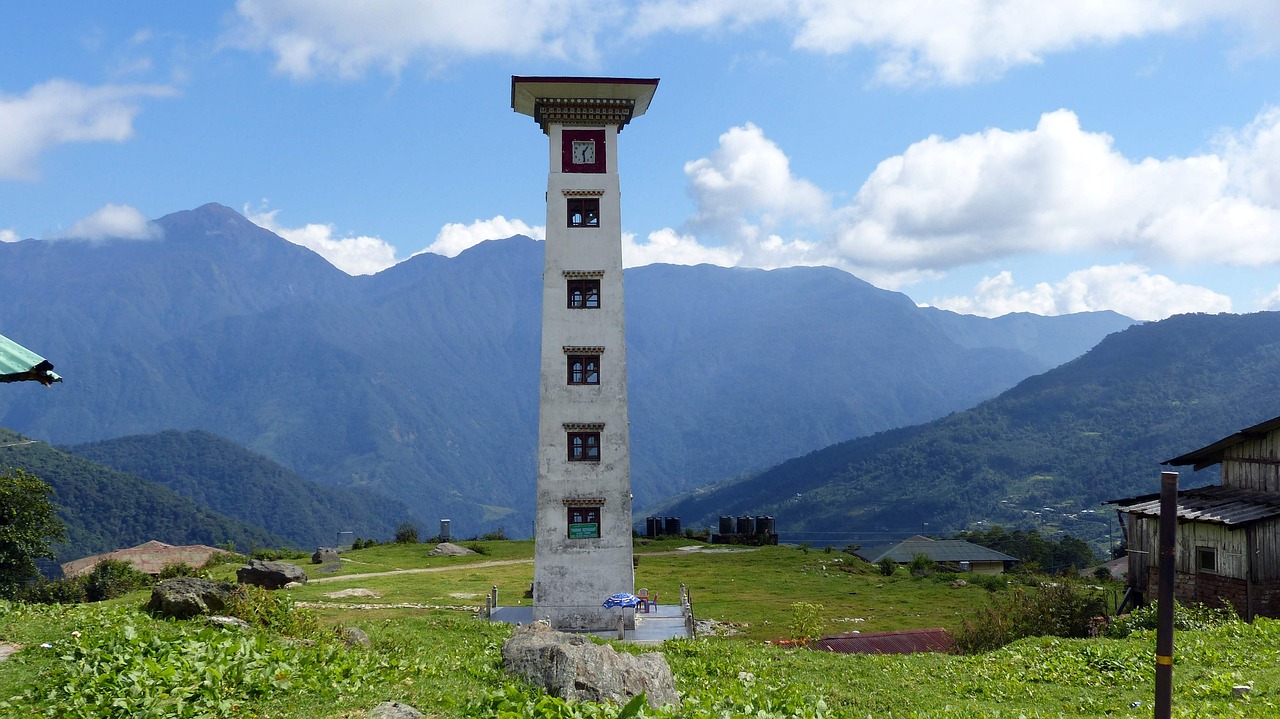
1254, 464
1232, 546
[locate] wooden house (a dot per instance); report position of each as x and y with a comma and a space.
1228, 543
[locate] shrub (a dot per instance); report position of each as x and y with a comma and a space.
113, 578
1062, 609
407, 533
68, 590
989, 582
263, 608
1185, 617
275, 555
806, 621
179, 569
887, 566
921, 566
497, 535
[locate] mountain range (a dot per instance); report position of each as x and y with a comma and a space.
420, 382
1047, 452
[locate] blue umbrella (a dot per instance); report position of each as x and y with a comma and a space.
622, 599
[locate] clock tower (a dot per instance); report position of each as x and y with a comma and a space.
582, 527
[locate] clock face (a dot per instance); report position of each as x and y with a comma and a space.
584, 153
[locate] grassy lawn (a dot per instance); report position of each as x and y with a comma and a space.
125, 663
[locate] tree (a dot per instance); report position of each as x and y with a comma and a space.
28, 525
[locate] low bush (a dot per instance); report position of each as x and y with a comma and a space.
179, 569
113, 578
407, 533
887, 566
68, 590
1186, 617
276, 555
921, 566
989, 582
274, 611
1060, 609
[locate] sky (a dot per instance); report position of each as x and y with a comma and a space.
983, 156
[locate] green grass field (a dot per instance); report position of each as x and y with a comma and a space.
125, 663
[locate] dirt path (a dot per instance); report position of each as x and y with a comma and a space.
504, 562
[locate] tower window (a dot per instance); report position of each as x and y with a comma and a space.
584, 369
584, 212
584, 522
584, 294
584, 446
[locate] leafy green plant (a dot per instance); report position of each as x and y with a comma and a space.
1186, 617
806, 621
1059, 609
275, 555
272, 610
113, 578
68, 590
28, 526
179, 569
887, 566
921, 566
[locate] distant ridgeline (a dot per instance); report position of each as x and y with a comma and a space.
420, 382
1045, 453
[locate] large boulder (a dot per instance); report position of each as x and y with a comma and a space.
448, 549
186, 597
325, 555
571, 666
270, 575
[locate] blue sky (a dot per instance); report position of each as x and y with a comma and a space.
986, 156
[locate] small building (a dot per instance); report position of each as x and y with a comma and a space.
148, 557
1228, 544
964, 555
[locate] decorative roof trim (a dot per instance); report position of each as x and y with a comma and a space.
584, 274
583, 193
580, 111
573, 350
583, 426
582, 501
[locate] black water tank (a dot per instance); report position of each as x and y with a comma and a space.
726, 525
764, 524
673, 526
650, 530
747, 526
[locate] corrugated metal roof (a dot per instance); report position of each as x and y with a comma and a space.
1212, 454
1217, 505
17, 364
912, 641
939, 550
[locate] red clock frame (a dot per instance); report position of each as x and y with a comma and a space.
568, 137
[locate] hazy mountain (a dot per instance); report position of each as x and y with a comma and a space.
221, 475
105, 509
421, 381
1058, 443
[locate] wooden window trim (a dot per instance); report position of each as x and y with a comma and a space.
584, 446
584, 369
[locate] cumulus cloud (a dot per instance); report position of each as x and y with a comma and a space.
360, 255
346, 39
1272, 301
670, 247
945, 203
111, 222
456, 237
1131, 290
58, 112
7, 235
926, 41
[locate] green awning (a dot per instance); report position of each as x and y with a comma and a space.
18, 364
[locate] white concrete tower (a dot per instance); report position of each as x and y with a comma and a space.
582, 528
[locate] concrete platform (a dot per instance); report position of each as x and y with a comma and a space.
661, 623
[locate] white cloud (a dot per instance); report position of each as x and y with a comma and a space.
57, 112
111, 222
456, 237
671, 247
1272, 301
348, 39
927, 41
361, 255
7, 235
945, 203
1130, 290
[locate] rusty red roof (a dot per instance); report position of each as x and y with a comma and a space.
148, 557
909, 641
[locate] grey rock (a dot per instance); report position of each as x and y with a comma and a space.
228, 622
356, 637
570, 666
270, 575
448, 549
394, 710
186, 597
325, 555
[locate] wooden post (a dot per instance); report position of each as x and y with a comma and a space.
1164, 594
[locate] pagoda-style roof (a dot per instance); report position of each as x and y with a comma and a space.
17, 364
582, 100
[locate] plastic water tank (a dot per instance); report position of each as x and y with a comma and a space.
764, 524
726, 525
747, 525
672, 526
